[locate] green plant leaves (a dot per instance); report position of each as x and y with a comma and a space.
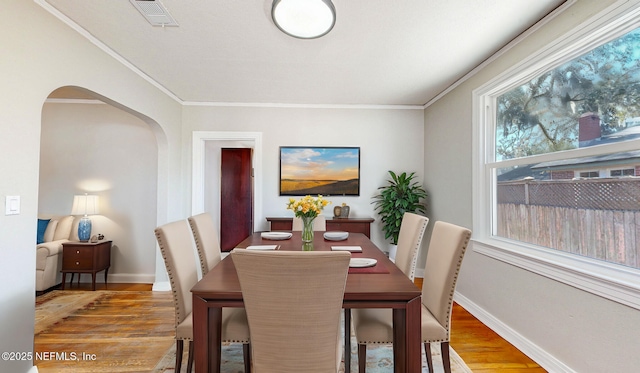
402, 194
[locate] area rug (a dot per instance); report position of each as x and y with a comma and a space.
132, 331
379, 359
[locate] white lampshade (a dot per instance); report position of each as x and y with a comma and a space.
304, 19
85, 205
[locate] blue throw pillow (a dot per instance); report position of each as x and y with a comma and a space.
42, 226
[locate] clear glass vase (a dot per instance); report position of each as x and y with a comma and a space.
307, 229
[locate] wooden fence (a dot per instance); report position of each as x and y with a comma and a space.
595, 218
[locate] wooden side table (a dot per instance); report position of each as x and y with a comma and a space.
85, 257
353, 225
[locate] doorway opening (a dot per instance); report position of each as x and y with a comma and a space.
207, 161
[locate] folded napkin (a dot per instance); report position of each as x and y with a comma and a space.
353, 249
263, 247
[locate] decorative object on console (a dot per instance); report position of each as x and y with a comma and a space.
308, 19
344, 212
337, 211
84, 205
307, 208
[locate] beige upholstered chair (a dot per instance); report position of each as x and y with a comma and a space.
446, 250
206, 239
319, 224
409, 240
293, 301
175, 244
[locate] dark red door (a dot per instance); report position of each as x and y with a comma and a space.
236, 197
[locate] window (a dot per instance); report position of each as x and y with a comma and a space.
589, 174
545, 132
623, 172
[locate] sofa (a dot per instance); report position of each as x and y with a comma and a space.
52, 233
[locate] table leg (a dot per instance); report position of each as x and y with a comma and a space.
347, 340
207, 336
407, 353
64, 278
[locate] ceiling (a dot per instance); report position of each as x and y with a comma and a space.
380, 52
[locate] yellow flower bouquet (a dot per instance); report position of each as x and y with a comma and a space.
307, 208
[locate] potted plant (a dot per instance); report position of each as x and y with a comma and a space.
401, 194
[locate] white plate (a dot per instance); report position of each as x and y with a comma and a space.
276, 235
263, 247
353, 249
336, 236
362, 262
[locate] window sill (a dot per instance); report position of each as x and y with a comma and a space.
613, 282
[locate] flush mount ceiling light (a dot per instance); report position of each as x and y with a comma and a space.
304, 19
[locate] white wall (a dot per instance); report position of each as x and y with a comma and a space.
389, 139
40, 54
98, 149
569, 329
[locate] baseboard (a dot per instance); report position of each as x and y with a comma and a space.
537, 354
161, 286
131, 278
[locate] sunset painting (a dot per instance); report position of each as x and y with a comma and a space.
325, 170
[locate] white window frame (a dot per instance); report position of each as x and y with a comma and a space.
615, 282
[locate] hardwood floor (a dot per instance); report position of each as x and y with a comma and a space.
480, 347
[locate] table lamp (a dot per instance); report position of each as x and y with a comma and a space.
84, 205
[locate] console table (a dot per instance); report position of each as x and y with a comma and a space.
352, 225
85, 257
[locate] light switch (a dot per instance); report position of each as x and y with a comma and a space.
12, 204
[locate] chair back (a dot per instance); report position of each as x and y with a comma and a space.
444, 258
293, 301
409, 240
175, 244
206, 239
319, 224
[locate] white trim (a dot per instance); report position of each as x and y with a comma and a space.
74, 101
161, 286
198, 172
129, 278
537, 354
617, 283
303, 106
80, 30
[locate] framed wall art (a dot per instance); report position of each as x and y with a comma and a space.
329, 171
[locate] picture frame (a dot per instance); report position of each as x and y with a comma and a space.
324, 170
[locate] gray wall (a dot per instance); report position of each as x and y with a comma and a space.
39, 55
389, 139
570, 329
98, 149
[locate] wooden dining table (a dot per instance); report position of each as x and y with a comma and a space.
380, 286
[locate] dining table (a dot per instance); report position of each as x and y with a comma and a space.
382, 285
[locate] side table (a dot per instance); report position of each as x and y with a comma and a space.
85, 257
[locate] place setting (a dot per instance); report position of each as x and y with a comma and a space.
276, 236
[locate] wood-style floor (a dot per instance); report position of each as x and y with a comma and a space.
481, 348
